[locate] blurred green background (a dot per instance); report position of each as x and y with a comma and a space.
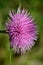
35, 55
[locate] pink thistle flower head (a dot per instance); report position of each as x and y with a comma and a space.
22, 30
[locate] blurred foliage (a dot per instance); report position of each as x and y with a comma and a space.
35, 55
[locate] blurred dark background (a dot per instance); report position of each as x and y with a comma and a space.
35, 55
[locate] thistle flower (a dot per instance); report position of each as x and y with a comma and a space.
22, 30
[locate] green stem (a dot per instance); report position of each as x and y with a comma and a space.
11, 63
10, 57
3, 31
